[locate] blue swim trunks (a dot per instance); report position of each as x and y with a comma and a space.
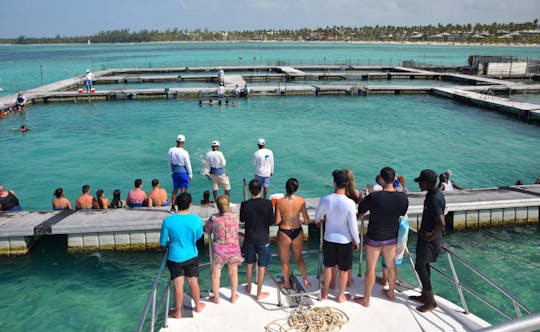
257, 253
180, 180
265, 181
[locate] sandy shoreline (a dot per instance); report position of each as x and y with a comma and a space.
424, 43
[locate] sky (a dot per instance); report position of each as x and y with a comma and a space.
48, 18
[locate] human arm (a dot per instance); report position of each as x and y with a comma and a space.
164, 235
320, 212
305, 215
208, 226
352, 223
277, 219
436, 232
271, 163
188, 166
456, 186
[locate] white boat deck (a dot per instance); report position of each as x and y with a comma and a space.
247, 314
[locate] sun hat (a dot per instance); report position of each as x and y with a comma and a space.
180, 138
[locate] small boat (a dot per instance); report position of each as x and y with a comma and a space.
300, 309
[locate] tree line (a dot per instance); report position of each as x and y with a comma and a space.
526, 32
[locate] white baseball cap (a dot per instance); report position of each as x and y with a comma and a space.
180, 138
261, 141
215, 143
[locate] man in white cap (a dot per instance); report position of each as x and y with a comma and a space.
216, 162
88, 80
180, 166
263, 159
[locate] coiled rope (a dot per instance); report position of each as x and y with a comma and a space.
317, 319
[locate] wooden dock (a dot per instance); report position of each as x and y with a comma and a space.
476, 90
137, 229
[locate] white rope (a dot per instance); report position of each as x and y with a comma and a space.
317, 319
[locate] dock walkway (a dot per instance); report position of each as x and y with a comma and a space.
139, 228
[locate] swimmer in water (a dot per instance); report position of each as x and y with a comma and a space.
22, 129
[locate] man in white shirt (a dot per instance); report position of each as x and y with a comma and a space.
216, 162
180, 166
263, 159
88, 80
340, 234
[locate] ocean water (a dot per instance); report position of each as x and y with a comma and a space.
109, 144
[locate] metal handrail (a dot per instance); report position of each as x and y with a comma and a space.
151, 301
518, 306
528, 323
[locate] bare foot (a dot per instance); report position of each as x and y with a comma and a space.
247, 288
234, 297
284, 285
324, 295
361, 300
175, 314
262, 295
307, 284
426, 307
214, 299
343, 298
200, 307
389, 295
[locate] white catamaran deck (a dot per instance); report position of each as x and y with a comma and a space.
247, 314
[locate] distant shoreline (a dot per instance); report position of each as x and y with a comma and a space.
425, 43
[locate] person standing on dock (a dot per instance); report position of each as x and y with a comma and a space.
89, 80
258, 215
263, 159
221, 75
385, 208
221, 91
180, 166
216, 162
429, 237
20, 101
179, 233
340, 234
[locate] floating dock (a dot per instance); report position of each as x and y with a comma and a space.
474, 90
138, 229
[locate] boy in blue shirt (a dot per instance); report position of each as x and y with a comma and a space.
180, 232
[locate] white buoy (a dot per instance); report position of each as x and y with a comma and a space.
1, 89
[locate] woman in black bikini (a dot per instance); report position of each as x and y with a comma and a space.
288, 210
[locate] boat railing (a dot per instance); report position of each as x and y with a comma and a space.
151, 301
519, 307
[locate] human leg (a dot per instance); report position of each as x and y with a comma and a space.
233, 276
284, 245
297, 246
216, 275
265, 192
193, 283
343, 277
178, 295
326, 282
389, 254
173, 199
215, 194
249, 275
372, 255
261, 270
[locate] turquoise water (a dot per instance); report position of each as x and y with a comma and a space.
109, 144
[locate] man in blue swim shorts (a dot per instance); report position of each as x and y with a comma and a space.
385, 207
258, 215
180, 166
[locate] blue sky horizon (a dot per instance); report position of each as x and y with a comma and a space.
38, 18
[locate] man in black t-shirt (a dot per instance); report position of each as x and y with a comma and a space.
257, 214
429, 239
385, 207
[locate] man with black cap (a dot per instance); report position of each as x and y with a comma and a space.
180, 166
429, 237
340, 233
216, 162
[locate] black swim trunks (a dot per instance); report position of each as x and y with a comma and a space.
189, 268
338, 254
291, 233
